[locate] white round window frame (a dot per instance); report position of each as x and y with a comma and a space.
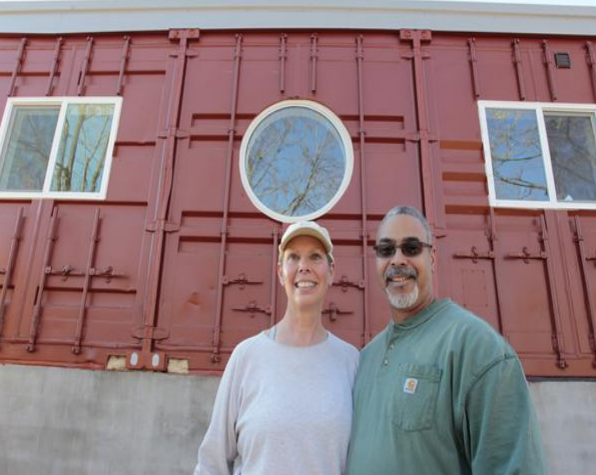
346, 142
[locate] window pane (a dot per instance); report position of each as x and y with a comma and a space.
83, 145
27, 148
573, 155
295, 161
517, 161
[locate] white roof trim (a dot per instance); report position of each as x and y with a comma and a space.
70, 16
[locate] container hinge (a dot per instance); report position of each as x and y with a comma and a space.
241, 280
162, 225
526, 255
252, 308
173, 132
333, 311
152, 333
344, 282
422, 136
475, 255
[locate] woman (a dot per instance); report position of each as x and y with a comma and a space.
284, 404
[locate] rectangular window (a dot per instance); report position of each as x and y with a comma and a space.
57, 147
539, 155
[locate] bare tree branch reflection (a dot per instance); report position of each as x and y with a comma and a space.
295, 162
516, 154
573, 153
26, 152
83, 146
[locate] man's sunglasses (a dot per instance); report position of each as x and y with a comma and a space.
410, 247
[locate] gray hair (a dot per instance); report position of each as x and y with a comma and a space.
410, 211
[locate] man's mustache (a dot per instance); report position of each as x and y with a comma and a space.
406, 272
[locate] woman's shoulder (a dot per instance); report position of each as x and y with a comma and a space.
247, 346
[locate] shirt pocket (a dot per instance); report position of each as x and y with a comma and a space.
416, 392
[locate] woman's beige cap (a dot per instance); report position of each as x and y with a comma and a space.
307, 228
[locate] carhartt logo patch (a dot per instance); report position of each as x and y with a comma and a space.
410, 385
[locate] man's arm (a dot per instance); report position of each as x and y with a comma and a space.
500, 430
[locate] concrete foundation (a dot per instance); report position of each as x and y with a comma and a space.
66, 421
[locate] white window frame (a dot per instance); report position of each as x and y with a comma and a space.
345, 139
63, 103
540, 108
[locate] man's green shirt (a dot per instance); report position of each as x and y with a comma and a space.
442, 394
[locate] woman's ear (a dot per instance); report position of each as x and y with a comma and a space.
280, 274
331, 273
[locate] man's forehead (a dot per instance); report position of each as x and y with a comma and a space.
401, 226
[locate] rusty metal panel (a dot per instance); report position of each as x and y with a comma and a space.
584, 238
517, 269
76, 292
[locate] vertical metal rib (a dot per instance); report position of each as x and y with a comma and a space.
123, 62
519, 68
17, 67
588, 287
364, 224
12, 254
314, 54
282, 62
85, 66
36, 318
550, 70
474, 67
274, 259
592, 63
555, 312
83, 308
215, 357
54, 66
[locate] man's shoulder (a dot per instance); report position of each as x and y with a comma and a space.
463, 320
473, 336
378, 342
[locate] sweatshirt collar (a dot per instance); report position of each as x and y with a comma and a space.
417, 320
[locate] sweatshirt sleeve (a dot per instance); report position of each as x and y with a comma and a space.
500, 430
218, 450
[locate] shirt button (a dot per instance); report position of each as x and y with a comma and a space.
391, 346
385, 362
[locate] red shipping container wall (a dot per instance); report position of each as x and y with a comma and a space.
177, 265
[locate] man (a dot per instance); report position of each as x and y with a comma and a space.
438, 392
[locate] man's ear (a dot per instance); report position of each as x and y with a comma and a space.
433, 259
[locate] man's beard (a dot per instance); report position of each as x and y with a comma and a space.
403, 301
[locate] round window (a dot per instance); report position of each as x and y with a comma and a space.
296, 160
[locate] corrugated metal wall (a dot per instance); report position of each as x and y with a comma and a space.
177, 264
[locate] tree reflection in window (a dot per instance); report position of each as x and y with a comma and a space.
27, 148
83, 145
295, 161
573, 155
516, 155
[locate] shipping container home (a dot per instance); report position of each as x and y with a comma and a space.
150, 157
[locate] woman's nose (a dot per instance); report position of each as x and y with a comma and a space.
303, 264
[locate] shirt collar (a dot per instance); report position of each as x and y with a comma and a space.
419, 319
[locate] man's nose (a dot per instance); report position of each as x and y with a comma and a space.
398, 259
